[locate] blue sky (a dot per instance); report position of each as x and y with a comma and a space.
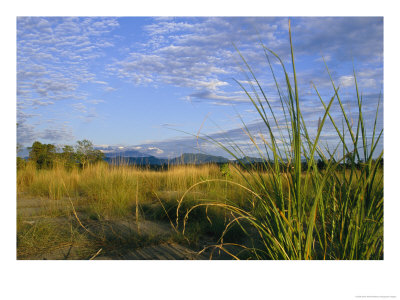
142, 82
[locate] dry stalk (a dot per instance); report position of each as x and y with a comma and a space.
97, 253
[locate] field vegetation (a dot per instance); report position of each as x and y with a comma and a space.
101, 193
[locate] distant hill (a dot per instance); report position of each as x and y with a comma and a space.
186, 158
197, 158
142, 161
248, 159
127, 153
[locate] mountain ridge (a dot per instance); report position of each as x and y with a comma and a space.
185, 158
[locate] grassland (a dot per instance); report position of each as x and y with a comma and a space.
73, 213
103, 195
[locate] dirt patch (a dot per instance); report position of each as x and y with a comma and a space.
33, 206
121, 239
166, 251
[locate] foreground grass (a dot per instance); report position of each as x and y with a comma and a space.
103, 196
332, 214
114, 202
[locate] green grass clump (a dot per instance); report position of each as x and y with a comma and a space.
298, 210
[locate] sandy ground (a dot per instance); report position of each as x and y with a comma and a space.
33, 210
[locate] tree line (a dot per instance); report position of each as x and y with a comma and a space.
45, 156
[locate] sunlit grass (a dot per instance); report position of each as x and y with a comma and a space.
103, 193
306, 214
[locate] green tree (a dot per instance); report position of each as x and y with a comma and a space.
86, 154
68, 155
42, 154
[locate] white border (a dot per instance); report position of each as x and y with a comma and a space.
184, 279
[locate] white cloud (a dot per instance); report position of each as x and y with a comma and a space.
158, 150
346, 80
53, 60
195, 54
221, 96
97, 101
109, 89
198, 53
80, 107
57, 134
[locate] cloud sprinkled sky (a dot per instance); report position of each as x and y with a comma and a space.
143, 81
